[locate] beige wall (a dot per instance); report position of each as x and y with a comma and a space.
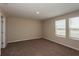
49, 31
19, 29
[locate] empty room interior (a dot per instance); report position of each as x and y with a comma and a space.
39, 29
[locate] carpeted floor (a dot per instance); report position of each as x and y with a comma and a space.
38, 47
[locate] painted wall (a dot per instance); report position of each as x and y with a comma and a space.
19, 29
49, 31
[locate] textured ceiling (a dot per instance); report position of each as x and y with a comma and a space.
46, 10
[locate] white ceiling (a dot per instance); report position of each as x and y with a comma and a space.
47, 10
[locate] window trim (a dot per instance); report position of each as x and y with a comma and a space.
74, 38
63, 36
67, 35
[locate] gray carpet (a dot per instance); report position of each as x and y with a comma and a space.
37, 47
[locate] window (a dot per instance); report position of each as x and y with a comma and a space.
74, 27
60, 26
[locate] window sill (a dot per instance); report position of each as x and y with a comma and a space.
61, 36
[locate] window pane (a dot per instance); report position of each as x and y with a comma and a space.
60, 27
74, 27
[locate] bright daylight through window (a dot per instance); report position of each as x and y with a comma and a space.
74, 27
60, 27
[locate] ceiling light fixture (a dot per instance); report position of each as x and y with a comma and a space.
37, 12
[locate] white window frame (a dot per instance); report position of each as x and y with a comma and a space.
67, 34
74, 38
63, 36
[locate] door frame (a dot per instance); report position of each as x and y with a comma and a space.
2, 31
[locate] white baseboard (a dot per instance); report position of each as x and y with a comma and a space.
22, 40
49, 40
67, 45
64, 44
